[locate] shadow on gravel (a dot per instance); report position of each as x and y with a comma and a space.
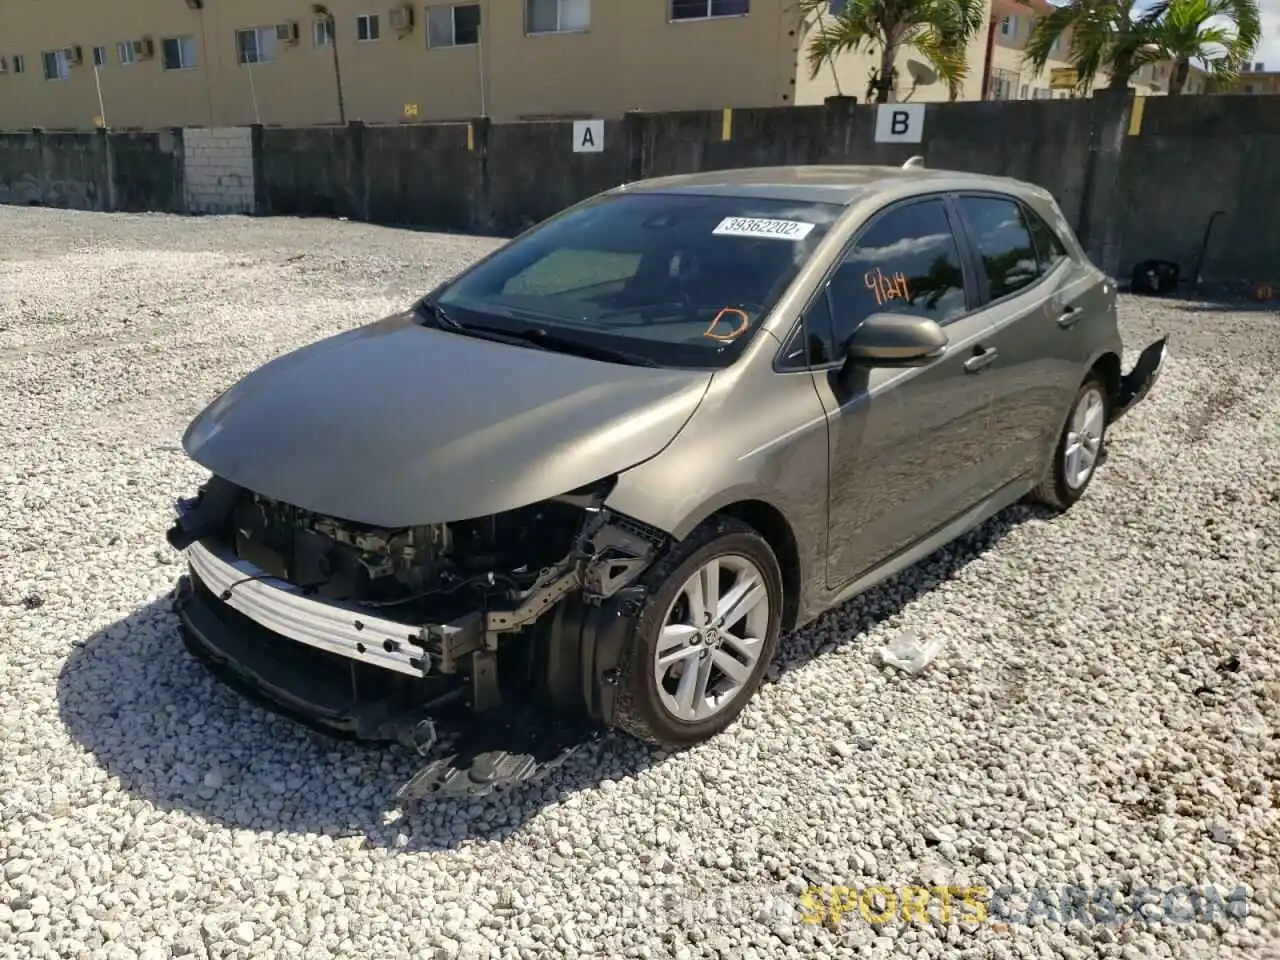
154, 718
864, 612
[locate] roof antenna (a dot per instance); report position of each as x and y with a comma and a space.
914, 163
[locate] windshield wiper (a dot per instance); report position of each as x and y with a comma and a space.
440, 315
552, 341
537, 336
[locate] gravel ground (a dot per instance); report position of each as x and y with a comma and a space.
1106, 712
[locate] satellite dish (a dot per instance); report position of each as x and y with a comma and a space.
921, 73
914, 163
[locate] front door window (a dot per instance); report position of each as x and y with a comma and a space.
906, 261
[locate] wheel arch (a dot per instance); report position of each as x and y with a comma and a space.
772, 525
1107, 366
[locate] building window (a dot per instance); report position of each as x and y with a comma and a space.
706, 9
55, 65
322, 33
557, 16
367, 26
257, 45
124, 53
179, 52
453, 26
19, 63
1009, 25
99, 56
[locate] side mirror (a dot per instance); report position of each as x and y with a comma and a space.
895, 340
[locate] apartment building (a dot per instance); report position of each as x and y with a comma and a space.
1153, 80
148, 63
1012, 22
1255, 78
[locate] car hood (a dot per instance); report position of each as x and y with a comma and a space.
397, 424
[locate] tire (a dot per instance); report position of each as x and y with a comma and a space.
1062, 486
646, 706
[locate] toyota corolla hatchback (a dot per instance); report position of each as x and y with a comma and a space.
607, 466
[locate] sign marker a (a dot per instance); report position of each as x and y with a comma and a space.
588, 136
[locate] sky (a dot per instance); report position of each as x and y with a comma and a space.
1269, 48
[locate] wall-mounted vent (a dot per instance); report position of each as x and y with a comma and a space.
401, 18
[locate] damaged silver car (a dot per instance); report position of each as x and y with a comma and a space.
604, 469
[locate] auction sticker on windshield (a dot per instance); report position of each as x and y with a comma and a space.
756, 227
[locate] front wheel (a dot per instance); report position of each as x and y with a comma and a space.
1075, 459
704, 638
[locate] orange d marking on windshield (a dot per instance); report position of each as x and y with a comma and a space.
886, 288
733, 334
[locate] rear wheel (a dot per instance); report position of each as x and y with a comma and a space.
704, 638
1079, 448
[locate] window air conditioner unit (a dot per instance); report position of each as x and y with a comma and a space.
74, 55
288, 32
144, 49
4, 64
401, 18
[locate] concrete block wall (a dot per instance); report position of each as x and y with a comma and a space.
1189, 179
218, 169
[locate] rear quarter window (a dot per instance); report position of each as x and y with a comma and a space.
1050, 250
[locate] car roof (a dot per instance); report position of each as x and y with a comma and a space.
820, 183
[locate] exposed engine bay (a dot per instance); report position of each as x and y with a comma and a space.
427, 570
446, 605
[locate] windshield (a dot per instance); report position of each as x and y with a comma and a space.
672, 279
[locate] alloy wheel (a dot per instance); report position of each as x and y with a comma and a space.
1084, 438
712, 637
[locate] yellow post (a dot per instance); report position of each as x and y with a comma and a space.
471, 138
726, 124
1135, 116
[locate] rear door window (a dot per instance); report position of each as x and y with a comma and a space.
905, 261
1002, 241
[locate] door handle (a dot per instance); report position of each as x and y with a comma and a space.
1068, 317
981, 357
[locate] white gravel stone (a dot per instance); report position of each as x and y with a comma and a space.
1103, 712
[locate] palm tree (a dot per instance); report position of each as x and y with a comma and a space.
1185, 34
1121, 38
1111, 35
939, 29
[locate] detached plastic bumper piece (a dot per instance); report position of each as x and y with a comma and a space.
1137, 383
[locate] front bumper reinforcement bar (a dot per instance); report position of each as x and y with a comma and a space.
607, 555
328, 625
